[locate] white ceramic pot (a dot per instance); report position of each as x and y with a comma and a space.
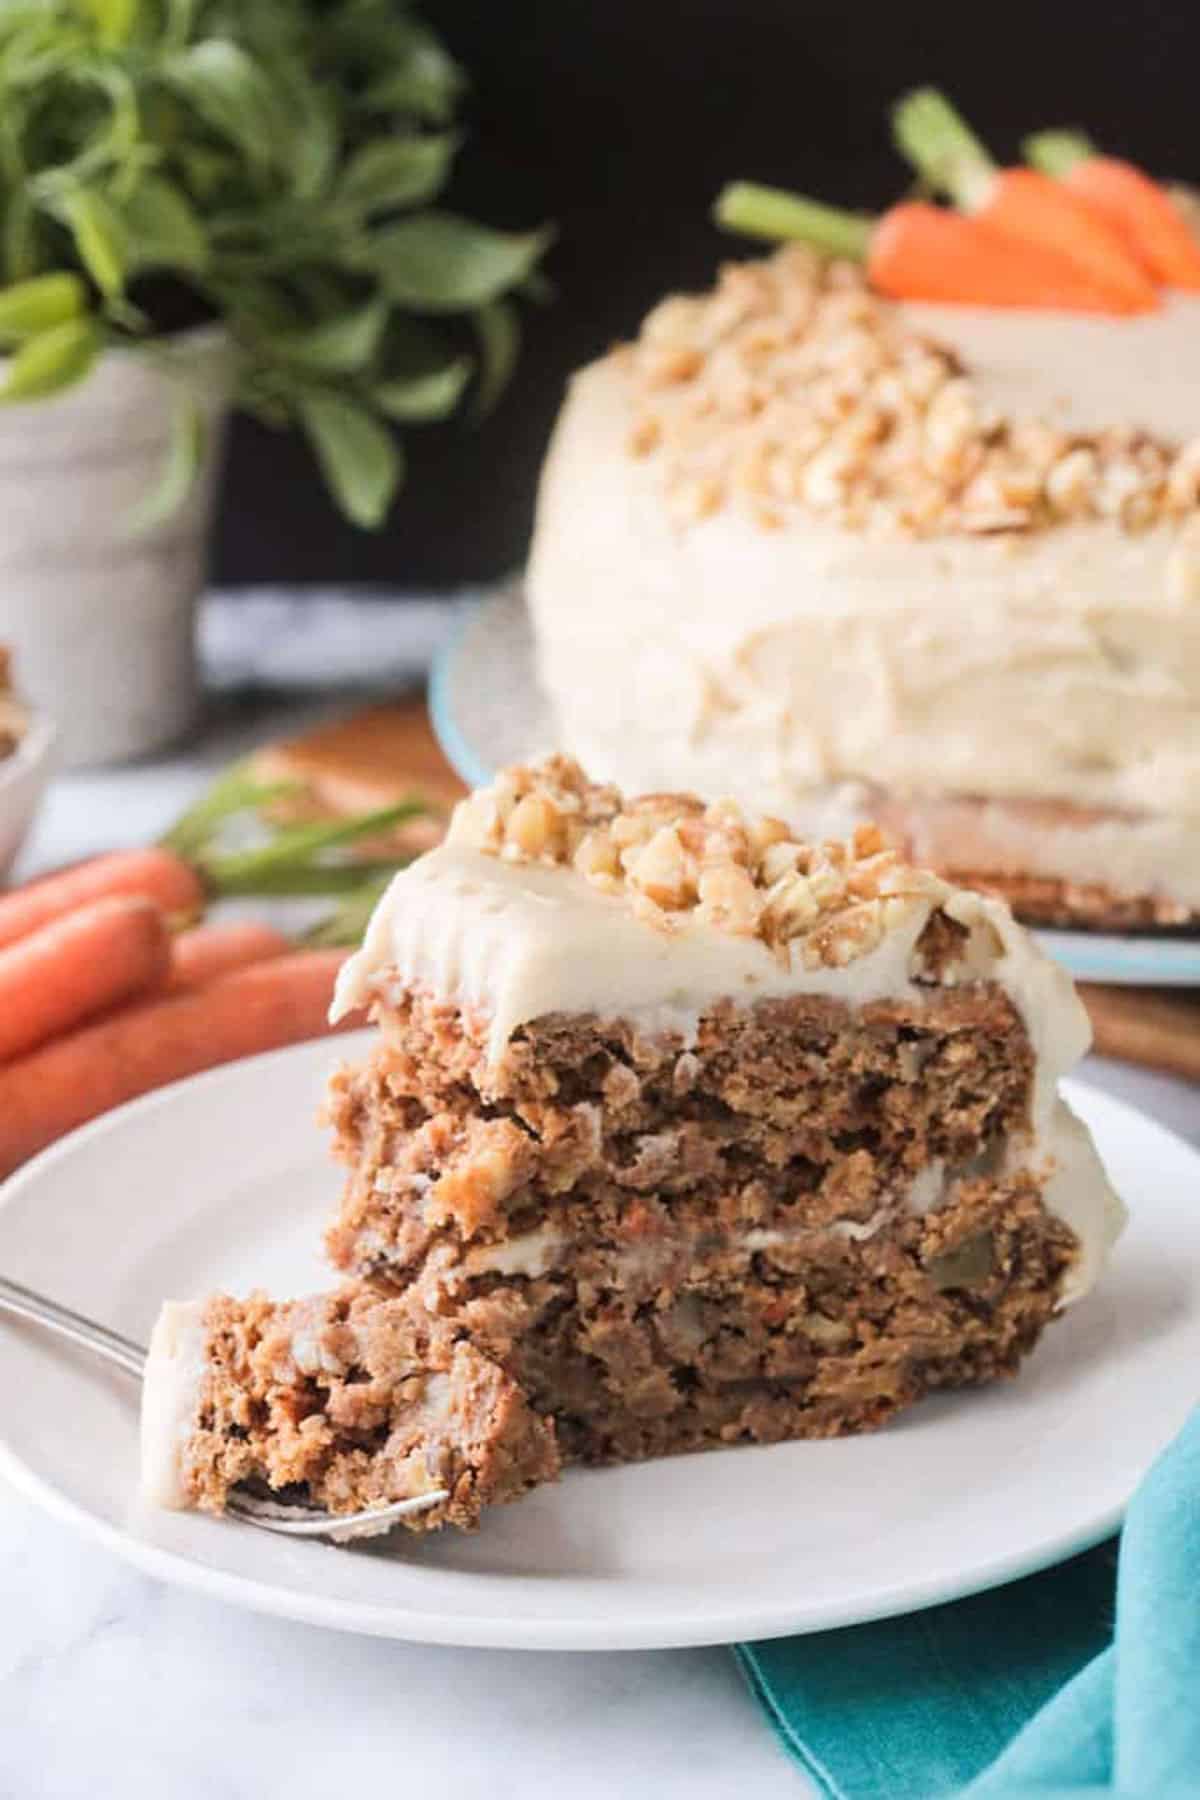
101, 619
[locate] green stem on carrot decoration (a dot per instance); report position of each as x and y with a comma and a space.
772, 213
942, 148
1056, 153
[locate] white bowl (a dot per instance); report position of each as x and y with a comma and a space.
23, 779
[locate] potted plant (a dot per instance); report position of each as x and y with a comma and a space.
209, 203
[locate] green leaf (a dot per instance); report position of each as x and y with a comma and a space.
360, 459
28, 307
185, 453
424, 80
315, 157
114, 20
396, 172
337, 346
254, 308
122, 143
163, 230
19, 235
178, 21
438, 262
206, 170
99, 237
419, 399
311, 127
51, 361
232, 94
499, 332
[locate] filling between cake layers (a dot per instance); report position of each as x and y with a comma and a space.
704, 1134
794, 1225
329, 1401
1054, 862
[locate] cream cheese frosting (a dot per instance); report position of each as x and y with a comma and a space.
515, 942
1058, 664
174, 1376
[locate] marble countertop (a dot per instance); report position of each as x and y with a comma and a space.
113, 1684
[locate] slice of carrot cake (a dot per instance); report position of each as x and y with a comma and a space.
331, 1400
706, 1134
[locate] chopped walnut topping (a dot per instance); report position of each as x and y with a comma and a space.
535, 828
599, 859
662, 870
791, 907
673, 859
792, 385
729, 899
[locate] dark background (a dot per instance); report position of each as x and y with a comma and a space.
620, 119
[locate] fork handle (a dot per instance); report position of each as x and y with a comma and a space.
109, 1344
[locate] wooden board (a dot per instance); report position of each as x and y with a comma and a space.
372, 758
1159, 1027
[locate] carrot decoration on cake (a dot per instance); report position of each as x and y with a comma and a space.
1027, 205
1133, 205
916, 251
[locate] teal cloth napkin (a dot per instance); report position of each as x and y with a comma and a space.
1081, 1681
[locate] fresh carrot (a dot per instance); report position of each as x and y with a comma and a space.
77, 966
207, 951
918, 252
157, 875
75, 1078
1134, 206
1024, 204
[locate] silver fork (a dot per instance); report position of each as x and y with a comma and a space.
267, 1515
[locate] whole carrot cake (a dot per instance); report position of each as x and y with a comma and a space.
938, 565
333, 1401
703, 1133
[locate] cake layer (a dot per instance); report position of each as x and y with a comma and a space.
651, 913
929, 550
817, 1336
791, 1117
328, 1400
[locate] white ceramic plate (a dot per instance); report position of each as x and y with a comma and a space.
225, 1181
488, 710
